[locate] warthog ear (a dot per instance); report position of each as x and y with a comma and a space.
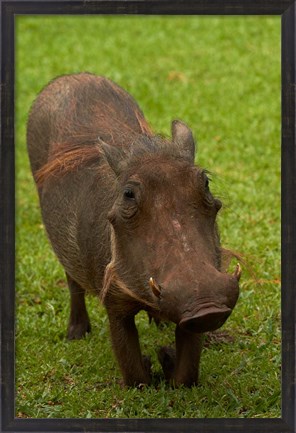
183, 138
114, 156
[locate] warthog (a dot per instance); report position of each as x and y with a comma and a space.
132, 219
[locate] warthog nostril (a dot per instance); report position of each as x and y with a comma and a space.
207, 319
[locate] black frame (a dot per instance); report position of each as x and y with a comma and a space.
8, 10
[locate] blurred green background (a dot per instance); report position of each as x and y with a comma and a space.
221, 75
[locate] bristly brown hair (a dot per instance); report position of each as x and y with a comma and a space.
67, 160
70, 156
228, 255
112, 283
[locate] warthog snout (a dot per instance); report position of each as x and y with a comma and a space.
199, 305
208, 318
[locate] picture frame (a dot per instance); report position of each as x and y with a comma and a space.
9, 10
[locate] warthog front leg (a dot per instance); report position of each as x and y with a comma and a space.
181, 366
79, 323
125, 340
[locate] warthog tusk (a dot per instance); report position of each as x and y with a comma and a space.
156, 289
238, 271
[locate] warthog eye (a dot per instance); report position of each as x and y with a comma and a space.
208, 198
206, 180
129, 205
129, 194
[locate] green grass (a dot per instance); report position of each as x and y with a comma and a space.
221, 76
